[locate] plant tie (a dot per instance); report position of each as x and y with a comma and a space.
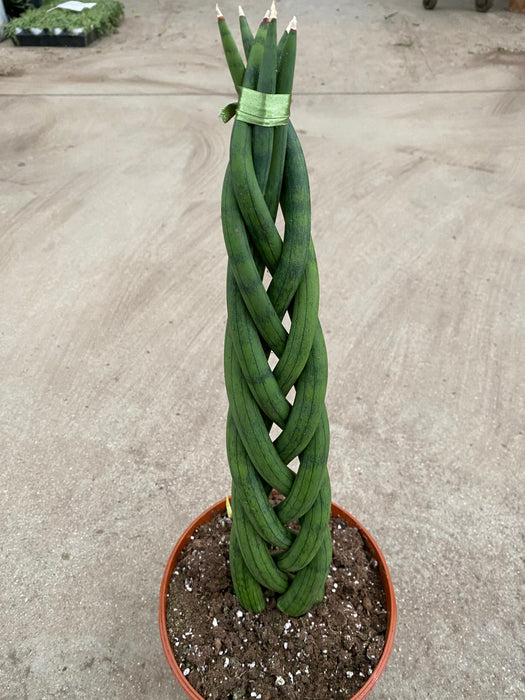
259, 108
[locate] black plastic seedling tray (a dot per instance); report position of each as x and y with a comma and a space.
27, 38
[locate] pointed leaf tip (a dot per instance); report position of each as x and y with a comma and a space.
273, 11
241, 12
219, 13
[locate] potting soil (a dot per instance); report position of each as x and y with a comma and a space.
227, 653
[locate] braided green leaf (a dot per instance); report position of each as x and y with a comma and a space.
272, 276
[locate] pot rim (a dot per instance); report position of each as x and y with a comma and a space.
220, 507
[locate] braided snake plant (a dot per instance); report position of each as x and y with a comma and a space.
275, 361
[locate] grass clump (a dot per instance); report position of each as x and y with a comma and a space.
103, 18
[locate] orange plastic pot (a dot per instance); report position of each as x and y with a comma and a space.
219, 508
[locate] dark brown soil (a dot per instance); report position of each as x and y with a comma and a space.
229, 654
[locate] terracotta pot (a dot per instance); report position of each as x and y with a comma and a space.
219, 508
516, 5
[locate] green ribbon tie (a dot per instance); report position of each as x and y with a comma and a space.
259, 108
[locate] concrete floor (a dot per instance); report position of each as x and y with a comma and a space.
112, 278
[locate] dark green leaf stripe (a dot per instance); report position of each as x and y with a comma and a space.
250, 424
313, 523
255, 551
259, 223
262, 137
231, 52
309, 476
295, 202
303, 328
246, 273
308, 405
246, 35
255, 57
281, 46
247, 589
286, 51
251, 492
308, 586
252, 357
249, 142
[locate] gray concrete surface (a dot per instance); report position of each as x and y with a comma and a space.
112, 316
